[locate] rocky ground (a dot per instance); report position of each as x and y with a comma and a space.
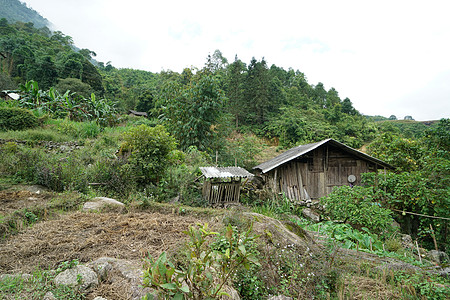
112, 243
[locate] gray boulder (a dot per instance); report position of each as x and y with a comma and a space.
280, 297
98, 203
438, 257
310, 214
79, 276
49, 296
124, 271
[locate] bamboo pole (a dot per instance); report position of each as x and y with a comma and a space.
434, 238
418, 252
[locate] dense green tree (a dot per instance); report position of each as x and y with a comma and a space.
74, 85
192, 112
235, 89
146, 101
257, 93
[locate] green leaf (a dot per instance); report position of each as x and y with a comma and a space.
184, 289
169, 286
178, 296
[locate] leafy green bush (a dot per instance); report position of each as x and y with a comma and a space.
149, 149
358, 206
16, 119
206, 271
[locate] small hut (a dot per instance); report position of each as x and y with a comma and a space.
133, 113
311, 171
8, 95
222, 184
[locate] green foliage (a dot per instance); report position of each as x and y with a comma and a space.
150, 149
16, 119
40, 283
192, 112
357, 205
424, 285
207, 269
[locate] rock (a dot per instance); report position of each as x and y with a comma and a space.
127, 270
397, 266
280, 297
234, 295
445, 272
288, 235
100, 298
102, 268
79, 276
99, 202
49, 296
438, 257
407, 242
308, 213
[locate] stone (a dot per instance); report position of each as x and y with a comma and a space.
78, 276
438, 257
100, 298
234, 295
98, 203
407, 242
102, 268
280, 297
310, 214
445, 272
49, 296
131, 272
397, 266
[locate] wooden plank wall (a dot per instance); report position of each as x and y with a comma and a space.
221, 192
318, 172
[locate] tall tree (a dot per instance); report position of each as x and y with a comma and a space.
192, 112
235, 93
257, 93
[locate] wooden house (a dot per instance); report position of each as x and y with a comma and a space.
133, 113
311, 171
222, 184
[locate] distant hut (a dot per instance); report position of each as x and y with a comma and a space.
222, 184
311, 171
7, 95
133, 113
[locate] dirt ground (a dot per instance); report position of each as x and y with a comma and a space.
11, 201
88, 236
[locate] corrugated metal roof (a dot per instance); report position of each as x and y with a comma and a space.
303, 149
225, 172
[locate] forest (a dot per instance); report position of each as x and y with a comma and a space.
224, 113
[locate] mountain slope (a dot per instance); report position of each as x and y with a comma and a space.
14, 10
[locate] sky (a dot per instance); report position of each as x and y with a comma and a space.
388, 57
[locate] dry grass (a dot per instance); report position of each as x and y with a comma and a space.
88, 236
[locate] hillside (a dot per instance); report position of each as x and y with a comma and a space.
16, 11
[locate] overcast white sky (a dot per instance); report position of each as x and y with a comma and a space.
388, 57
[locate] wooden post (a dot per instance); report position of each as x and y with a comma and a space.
434, 238
418, 251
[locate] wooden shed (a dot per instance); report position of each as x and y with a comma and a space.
311, 171
133, 113
222, 184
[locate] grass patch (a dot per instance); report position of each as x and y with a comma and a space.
35, 286
36, 135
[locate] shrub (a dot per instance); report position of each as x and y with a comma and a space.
357, 205
150, 149
14, 118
